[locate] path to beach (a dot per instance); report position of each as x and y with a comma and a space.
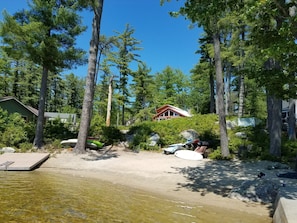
205, 182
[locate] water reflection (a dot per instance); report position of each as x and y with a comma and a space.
48, 197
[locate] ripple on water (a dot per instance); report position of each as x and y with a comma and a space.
47, 197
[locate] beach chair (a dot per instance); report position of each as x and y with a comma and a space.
201, 148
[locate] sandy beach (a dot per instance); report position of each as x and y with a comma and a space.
204, 182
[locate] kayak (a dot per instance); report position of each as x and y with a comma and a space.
188, 155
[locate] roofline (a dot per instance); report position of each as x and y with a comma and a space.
32, 110
175, 109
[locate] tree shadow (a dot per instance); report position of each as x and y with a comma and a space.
221, 177
224, 177
218, 177
102, 154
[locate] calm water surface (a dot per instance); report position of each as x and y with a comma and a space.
49, 197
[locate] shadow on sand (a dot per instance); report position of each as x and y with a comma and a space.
221, 177
102, 154
218, 177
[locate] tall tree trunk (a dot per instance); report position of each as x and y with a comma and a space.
241, 79
241, 95
227, 90
38, 140
292, 119
274, 106
274, 110
220, 96
109, 102
118, 116
90, 80
212, 94
123, 113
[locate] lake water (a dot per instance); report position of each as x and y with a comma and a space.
49, 197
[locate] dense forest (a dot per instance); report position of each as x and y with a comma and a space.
247, 64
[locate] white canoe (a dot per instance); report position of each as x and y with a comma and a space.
188, 155
72, 143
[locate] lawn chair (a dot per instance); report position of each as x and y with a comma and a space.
201, 148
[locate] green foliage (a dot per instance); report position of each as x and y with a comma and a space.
12, 129
45, 34
54, 146
267, 156
96, 126
30, 130
235, 142
289, 150
253, 146
12, 136
171, 86
106, 135
127, 46
200, 87
3, 119
169, 130
141, 133
217, 155
57, 130
111, 135
25, 147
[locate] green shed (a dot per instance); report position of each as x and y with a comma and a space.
12, 105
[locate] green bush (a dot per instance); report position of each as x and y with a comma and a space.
53, 147
253, 146
111, 135
25, 147
12, 129
97, 123
141, 133
57, 130
217, 155
289, 150
169, 131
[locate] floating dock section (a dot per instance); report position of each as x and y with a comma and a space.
22, 161
285, 205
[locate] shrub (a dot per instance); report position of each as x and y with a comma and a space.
252, 146
57, 130
12, 130
111, 135
25, 147
97, 123
55, 146
217, 155
169, 130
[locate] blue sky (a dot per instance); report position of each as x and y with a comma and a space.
166, 41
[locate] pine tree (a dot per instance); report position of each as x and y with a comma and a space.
97, 8
45, 34
208, 16
127, 45
142, 91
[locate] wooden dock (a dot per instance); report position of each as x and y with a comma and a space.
22, 161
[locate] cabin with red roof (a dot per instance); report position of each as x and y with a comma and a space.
168, 111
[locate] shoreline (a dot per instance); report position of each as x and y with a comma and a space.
204, 182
